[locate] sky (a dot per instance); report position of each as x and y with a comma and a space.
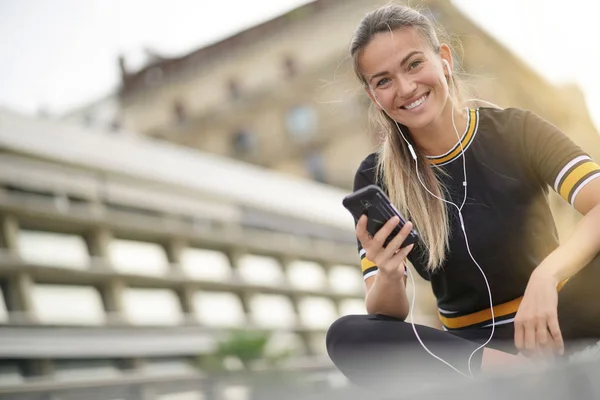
60, 54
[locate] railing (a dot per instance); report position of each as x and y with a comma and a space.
88, 193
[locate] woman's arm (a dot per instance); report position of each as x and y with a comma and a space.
386, 290
536, 322
386, 294
584, 244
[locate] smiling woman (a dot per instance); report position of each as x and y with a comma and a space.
405, 71
474, 182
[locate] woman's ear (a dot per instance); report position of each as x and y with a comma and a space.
446, 55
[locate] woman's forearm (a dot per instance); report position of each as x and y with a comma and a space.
574, 254
387, 296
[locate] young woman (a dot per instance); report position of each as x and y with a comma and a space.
474, 182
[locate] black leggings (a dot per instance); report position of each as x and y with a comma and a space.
375, 348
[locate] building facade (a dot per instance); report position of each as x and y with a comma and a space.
283, 95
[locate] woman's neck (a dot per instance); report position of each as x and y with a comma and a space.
440, 136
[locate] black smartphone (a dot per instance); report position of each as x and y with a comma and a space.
373, 202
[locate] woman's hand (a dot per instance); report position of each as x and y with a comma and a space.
389, 259
536, 324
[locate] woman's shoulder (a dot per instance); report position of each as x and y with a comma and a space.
509, 118
369, 163
503, 115
365, 174
502, 125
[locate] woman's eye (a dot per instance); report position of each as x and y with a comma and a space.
383, 82
414, 64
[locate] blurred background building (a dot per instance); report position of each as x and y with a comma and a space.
282, 94
204, 196
121, 268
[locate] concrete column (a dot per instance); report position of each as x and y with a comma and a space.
234, 255
112, 295
186, 298
19, 296
98, 242
112, 290
174, 249
9, 233
20, 286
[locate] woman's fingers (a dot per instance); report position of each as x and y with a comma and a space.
541, 335
385, 231
394, 245
401, 255
361, 231
391, 256
519, 335
530, 343
554, 329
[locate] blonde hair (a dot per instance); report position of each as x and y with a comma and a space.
395, 165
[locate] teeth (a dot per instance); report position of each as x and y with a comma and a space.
416, 103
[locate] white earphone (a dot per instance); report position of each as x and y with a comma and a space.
462, 224
447, 64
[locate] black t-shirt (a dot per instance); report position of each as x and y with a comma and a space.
512, 158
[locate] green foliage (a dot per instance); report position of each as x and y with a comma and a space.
247, 346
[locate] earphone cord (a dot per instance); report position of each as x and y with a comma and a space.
486, 284
466, 242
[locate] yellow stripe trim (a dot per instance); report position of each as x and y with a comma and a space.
485, 315
561, 284
465, 141
481, 316
575, 176
365, 264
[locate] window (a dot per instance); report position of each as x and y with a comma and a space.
272, 311
179, 111
67, 305
306, 275
260, 270
205, 264
317, 312
152, 307
290, 67
209, 308
345, 279
244, 143
235, 91
136, 257
315, 165
53, 249
301, 122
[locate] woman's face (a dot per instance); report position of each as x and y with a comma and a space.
406, 77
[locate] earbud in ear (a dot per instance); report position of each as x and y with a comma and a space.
447, 64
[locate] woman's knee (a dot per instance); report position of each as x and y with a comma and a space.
348, 342
337, 335
369, 348
353, 334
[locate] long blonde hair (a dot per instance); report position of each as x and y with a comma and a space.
395, 164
